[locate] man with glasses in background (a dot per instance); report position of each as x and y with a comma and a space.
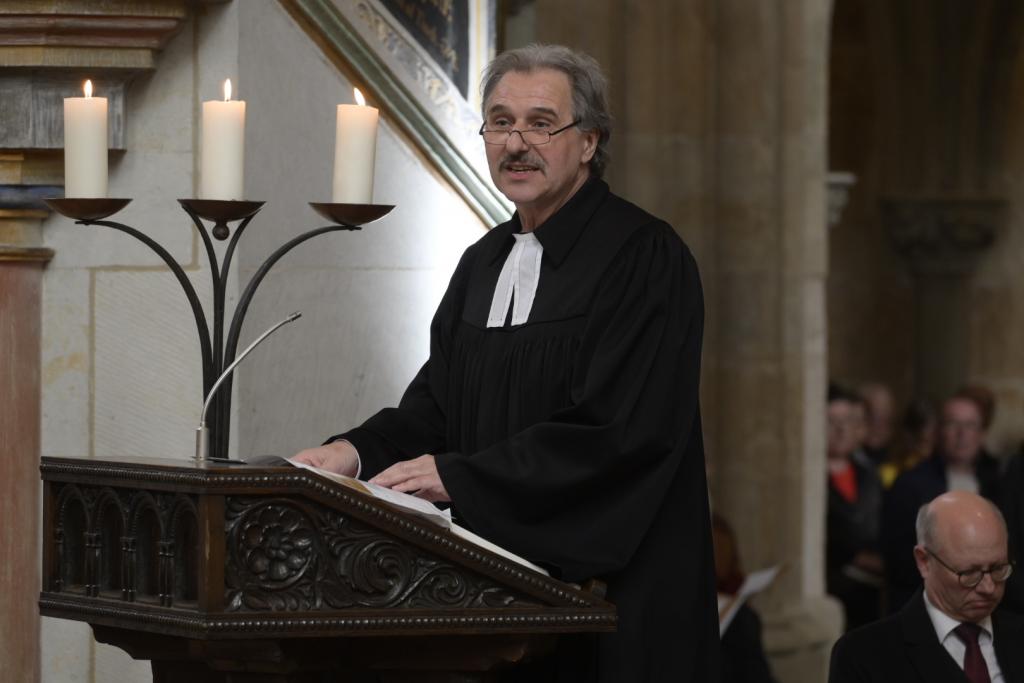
950, 631
558, 410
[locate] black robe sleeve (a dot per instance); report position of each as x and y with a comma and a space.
579, 491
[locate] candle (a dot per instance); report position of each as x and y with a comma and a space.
223, 152
355, 152
85, 145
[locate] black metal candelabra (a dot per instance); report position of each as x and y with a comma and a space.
218, 352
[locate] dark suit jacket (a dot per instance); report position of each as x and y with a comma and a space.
904, 649
1012, 505
911, 490
851, 528
743, 658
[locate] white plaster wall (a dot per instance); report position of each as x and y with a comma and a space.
367, 297
121, 369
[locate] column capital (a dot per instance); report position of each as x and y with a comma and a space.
942, 236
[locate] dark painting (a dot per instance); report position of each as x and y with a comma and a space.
441, 27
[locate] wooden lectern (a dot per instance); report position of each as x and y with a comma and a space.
237, 573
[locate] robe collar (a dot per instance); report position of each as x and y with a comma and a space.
559, 233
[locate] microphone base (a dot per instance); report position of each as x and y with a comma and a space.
202, 443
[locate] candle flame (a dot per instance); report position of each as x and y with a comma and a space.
360, 100
88, 88
227, 90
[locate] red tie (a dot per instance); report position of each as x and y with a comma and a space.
974, 661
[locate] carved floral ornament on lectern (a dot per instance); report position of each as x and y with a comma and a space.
286, 556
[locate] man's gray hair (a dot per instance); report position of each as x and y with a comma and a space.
589, 88
925, 525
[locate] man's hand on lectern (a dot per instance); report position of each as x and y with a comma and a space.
417, 476
339, 456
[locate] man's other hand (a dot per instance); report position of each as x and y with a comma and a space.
340, 457
417, 476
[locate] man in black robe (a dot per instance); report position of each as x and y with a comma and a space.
558, 410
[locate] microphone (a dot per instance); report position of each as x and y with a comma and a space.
202, 433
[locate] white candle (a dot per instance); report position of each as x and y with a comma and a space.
222, 169
85, 145
355, 151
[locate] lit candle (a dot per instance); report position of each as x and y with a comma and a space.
85, 145
355, 152
222, 170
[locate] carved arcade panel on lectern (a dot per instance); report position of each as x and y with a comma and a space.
124, 544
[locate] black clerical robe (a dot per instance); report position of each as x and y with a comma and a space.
575, 439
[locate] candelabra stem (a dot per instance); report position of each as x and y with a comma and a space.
222, 402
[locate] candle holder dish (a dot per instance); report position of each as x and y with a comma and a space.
217, 350
221, 212
352, 215
86, 209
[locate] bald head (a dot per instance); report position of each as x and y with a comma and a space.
958, 517
958, 532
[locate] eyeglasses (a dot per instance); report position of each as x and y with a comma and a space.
970, 578
530, 136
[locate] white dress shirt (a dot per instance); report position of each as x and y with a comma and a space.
958, 480
944, 625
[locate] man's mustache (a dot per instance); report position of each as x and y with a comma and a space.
521, 160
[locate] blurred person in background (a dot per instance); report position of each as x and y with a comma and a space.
914, 443
959, 464
853, 563
880, 421
743, 658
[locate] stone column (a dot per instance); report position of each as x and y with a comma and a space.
772, 254
22, 259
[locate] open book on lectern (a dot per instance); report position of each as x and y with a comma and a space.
416, 506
